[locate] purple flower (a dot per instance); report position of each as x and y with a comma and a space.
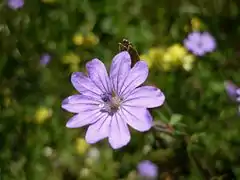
109, 103
147, 169
15, 4
238, 94
231, 90
200, 43
45, 59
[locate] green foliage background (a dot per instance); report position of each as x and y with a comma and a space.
197, 98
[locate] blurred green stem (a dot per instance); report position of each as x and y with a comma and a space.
194, 160
163, 117
168, 108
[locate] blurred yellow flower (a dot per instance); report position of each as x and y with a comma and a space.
81, 146
172, 57
74, 67
42, 114
153, 55
78, 39
195, 23
147, 59
175, 53
91, 39
166, 66
71, 58
166, 59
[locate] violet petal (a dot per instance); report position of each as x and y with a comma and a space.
84, 118
85, 85
98, 74
146, 96
119, 70
99, 130
79, 103
135, 78
119, 134
138, 118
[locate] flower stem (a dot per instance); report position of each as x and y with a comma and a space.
192, 158
170, 111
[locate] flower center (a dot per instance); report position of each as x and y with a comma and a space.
200, 44
111, 103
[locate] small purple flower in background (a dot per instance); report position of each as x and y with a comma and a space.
238, 95
147, 169
15, 4
231, 90
45, 59
200, 43
109, 103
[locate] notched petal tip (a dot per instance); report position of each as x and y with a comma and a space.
69, 124
75, 77
65, 101
122, 57
76, 74
78, 121
93, 63
119, 146
123, 54
89, 140
161, 97
149, 123
141, 67
95, 60
142, 64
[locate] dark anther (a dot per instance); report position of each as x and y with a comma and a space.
105, 97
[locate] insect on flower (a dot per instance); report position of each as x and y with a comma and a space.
108, 104
126, 45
